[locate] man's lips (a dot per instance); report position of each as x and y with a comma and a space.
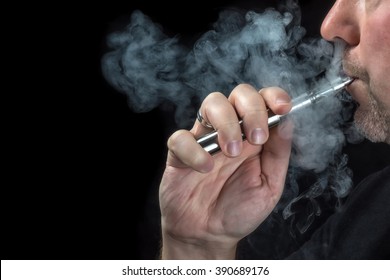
354, 89
354, 81
354, 77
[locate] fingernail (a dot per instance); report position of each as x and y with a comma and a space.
281, 100
258, 136
234, 148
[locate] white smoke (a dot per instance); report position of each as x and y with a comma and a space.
264, 49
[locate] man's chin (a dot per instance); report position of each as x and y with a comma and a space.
370, 129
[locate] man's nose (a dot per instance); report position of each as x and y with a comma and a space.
342, 22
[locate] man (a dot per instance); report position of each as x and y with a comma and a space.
209, 203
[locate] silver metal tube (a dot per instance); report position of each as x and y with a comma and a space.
210, 141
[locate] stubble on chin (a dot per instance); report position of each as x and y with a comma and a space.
373, 121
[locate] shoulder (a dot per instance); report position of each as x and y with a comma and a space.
360, 228
375, 185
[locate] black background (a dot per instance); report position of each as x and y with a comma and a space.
82, 169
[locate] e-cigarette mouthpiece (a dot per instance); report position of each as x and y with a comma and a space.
210, 141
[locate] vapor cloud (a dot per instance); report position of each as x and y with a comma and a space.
263, 49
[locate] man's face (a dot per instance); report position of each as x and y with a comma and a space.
365, 27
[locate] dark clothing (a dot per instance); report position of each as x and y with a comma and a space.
360, 229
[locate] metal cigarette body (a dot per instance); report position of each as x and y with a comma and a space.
210, 141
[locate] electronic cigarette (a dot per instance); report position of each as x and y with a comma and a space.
210, 141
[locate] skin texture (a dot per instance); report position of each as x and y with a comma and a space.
364, 26
208, 203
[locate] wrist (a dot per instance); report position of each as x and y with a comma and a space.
188, 250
